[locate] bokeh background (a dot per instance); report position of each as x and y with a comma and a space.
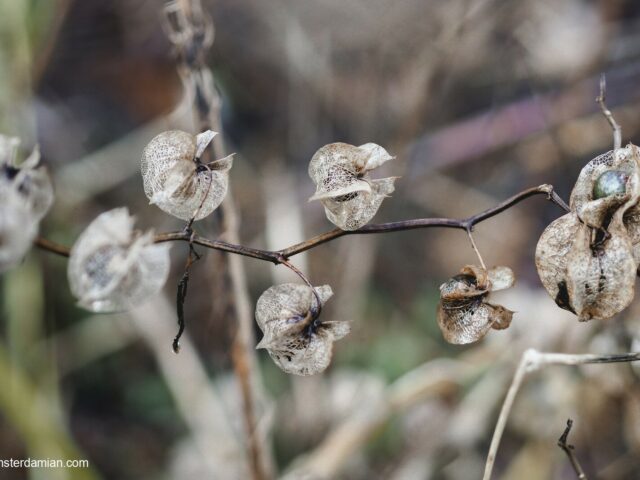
478, 99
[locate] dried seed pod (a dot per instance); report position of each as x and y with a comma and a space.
297, 341
26, 194
175, 179
587, 259
18, 226
464, 315
113, 267
349, 196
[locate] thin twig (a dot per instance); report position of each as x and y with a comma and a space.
475, 249
318, 307
182, 295
192, 35
531, 361
276, 257
569, 450
601, 99
49, 246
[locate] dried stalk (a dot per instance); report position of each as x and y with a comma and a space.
277, 256
531, 361
191, 31
617, 131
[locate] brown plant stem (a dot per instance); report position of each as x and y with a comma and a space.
192, 35
569, 450
277, 257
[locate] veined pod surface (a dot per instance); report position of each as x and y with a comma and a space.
113, 267
341, 174
295, 338
587, 259
177, 182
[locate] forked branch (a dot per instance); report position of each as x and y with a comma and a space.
278, 256
569, 450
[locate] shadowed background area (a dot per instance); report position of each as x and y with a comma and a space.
478, 99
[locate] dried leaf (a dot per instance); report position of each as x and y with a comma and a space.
340, 172
176, 182
296, 341
464, 316
114, 268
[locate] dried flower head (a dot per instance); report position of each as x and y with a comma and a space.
341, 174
113, 267
177, 181
26, 194
464, 315
297, 341
587, 259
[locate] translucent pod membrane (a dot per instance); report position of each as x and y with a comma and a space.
588, 259
26, 195
113, 267
18, 227
464, 314
176, 181
297, 341
349, 195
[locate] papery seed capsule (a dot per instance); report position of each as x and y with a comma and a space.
458, 283
610, 183
176, 181
341, 173
113, 267
297, 341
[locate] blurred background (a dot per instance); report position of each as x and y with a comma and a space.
478, 99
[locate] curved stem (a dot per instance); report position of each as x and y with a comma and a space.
475, 249
294, 269
277, 257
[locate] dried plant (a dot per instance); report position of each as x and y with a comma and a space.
343, 185
464, 315
177, 181
294, 336
112, 267
587, 259
26, 194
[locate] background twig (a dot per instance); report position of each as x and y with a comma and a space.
568, 449
531, 361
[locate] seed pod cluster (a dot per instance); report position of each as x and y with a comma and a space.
113, 267
26, 194
587, 259
177, 181
464, 314
343, 185
296, 339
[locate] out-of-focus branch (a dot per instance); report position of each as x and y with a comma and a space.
191, 31
569, 450
437, 377
531, 361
